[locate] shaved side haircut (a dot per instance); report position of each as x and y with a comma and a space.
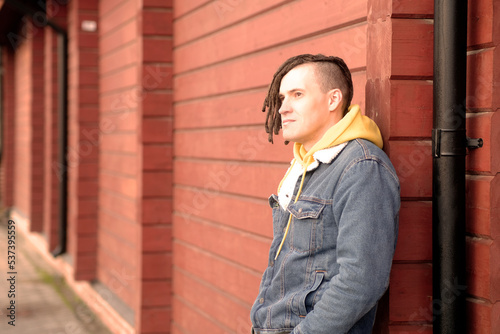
331, 73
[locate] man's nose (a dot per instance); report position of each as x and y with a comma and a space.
285, 107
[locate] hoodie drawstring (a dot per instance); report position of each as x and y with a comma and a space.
296, 199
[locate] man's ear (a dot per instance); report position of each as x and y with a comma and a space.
334, 99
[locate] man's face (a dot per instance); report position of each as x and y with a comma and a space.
305, 108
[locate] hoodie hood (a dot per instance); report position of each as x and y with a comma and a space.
353, 125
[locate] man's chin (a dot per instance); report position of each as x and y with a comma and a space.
287, 137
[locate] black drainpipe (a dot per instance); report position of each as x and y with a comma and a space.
62, 109
449, 147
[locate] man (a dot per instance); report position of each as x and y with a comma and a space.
335, 216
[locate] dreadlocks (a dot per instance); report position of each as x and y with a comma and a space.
332, 72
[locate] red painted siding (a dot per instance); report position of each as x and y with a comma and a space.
169, 164
157, 154
135, 174
118, 233
29, 126
8, 131
22, 129
399, 98
224, 168
83, 139
483, 165
37, 130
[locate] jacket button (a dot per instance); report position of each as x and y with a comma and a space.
261, 300
300, 210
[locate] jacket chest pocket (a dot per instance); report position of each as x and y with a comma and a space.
307, 224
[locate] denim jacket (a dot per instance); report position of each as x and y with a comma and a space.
335, 263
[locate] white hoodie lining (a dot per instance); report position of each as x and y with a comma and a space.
325, 156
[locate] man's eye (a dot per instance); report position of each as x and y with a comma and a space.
298, 94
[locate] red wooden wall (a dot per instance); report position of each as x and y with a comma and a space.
224, 168
135, 158
83, 139
225, 53
169, 164
483, 166
29, 124
119, 176
8, 95
399, 98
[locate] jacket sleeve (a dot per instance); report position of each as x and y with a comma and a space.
366, 208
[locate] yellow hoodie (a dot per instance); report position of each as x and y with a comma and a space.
353, 125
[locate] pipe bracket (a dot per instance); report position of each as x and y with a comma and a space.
473, 143
448, 142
